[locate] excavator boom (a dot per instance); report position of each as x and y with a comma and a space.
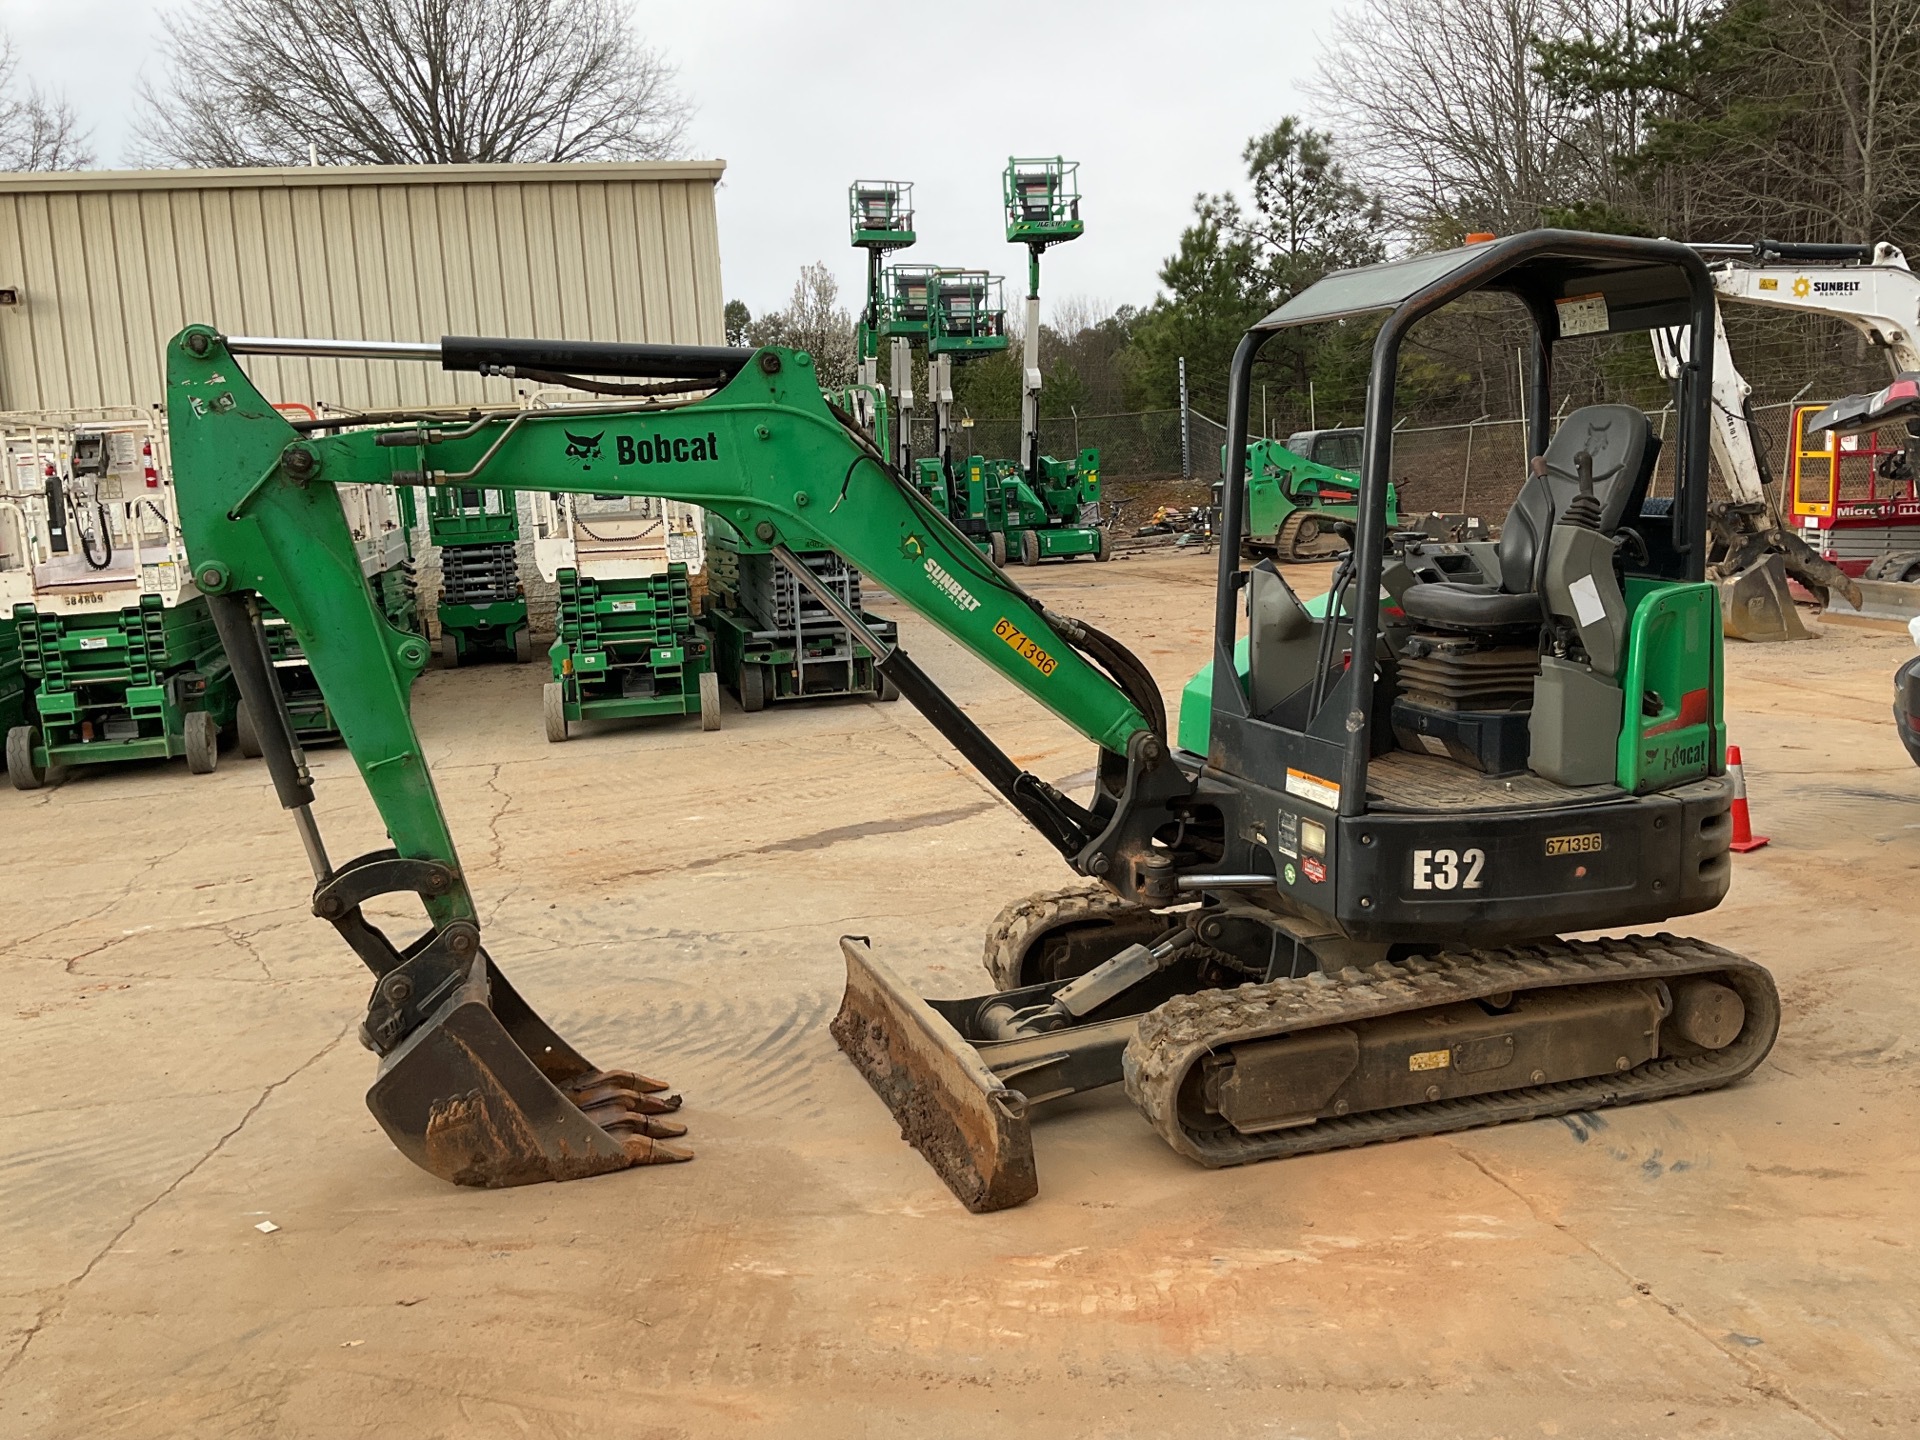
473, 1086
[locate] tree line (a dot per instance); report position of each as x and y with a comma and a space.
1431, 120
1703, 120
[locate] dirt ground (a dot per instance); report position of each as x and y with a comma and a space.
178, 1064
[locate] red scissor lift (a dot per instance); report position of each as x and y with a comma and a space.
1854, 498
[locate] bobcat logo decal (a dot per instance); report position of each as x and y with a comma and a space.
584, 448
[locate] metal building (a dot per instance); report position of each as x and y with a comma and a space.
98, 269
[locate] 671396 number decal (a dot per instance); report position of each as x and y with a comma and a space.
1448, 869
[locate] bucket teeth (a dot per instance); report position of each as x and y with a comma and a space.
626, 1122
484, 1092
608, 1091
642, 1151
626, 1078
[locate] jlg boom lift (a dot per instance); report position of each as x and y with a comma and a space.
1332, 916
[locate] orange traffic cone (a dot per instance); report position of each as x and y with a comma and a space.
1743, 837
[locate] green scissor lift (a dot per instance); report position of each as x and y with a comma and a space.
13, 677
627, 648
774, 641
483, 602
115, 644
628, 641
381, 520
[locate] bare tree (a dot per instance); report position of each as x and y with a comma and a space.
37, 131
814, 321
1452, 125
397, 82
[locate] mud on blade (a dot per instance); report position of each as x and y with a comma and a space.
950, 1106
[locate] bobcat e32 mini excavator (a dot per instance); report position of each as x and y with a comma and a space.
1326, 911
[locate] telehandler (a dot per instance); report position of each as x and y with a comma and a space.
1334, 917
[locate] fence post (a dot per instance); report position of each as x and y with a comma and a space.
1466, 475
1186, 426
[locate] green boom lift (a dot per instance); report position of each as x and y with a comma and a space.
1330, 914
880, 220
1053, 506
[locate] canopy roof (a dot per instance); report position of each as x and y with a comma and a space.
1638, 283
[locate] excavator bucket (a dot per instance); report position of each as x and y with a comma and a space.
485, 1093
1756, 604
956, 1112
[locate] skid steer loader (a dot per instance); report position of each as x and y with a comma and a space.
1331, 916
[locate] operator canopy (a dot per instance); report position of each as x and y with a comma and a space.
1633, 284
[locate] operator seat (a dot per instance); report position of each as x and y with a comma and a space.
1621, 442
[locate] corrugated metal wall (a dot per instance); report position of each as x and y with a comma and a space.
110, 265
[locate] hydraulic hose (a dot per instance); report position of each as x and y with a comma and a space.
105, 526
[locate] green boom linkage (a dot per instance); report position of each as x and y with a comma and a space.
473, 1086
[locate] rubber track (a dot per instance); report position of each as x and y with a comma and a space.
1181, 1033
1286, 542
1015, 929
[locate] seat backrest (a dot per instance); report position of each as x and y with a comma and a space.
1620, 440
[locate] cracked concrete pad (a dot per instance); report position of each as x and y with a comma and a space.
177, 1064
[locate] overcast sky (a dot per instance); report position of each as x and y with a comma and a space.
1154, 100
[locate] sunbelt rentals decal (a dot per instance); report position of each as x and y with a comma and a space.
948, 586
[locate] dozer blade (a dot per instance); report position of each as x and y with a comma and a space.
1756, 604
956, 1112
485, 1093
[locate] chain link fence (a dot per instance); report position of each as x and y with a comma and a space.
1474, 467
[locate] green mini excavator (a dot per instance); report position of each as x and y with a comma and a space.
1328, 912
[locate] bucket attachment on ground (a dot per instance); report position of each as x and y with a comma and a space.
485, 1093
1756, 604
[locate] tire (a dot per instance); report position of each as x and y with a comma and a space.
884, 689
20, 767
1029, 547
245, 738
753, 688
202, 737
1100, 551
449, 650
523, 647
997, 548
553, 706
709, 700
1906, 678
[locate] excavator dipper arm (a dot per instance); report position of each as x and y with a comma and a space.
473, 1086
